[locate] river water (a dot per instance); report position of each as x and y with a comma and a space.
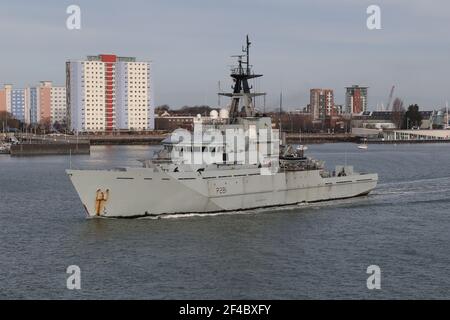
315, 251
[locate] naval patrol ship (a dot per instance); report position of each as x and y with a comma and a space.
231, 161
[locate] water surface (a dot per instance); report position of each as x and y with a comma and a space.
313, 251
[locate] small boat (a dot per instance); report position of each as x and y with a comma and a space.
5, 148
364, 145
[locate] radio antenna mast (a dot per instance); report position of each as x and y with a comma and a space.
241, 74
279, 115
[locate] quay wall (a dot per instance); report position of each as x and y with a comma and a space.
412, 141
311, 138
40, 149
126, 140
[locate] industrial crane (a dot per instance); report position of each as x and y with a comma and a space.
390, 99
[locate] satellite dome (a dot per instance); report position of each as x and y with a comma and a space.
224, 114
214, 114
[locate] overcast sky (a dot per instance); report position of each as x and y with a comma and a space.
297, 45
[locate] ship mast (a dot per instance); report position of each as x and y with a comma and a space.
241, 94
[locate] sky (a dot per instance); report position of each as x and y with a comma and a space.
297, 45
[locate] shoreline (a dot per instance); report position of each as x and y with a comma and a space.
69, 142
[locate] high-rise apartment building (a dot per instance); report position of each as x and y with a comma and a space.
321, 103
44, 103
2, 100
356, 99
33, 101
107, 92
5, 98
44, 106
58, 105
19, 107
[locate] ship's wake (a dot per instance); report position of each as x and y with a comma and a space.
274, 209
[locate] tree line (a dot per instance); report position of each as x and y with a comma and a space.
185, 110
8, 122
406, 119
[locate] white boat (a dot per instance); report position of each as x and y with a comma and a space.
364, 145
211, 174
5, 148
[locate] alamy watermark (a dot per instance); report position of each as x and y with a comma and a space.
74, 280
73, 21
374, 19
374, 280
253, 146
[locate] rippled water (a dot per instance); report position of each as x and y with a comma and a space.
309, 251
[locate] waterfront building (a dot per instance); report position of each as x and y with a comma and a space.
47, 103
44, 103
2, 100
58, 105
33, 103
19, 104
384, 120
339, 109
107, 92
321, 103
170, 123
356, 99
5, 98
438, 119
416, 135
410, 136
